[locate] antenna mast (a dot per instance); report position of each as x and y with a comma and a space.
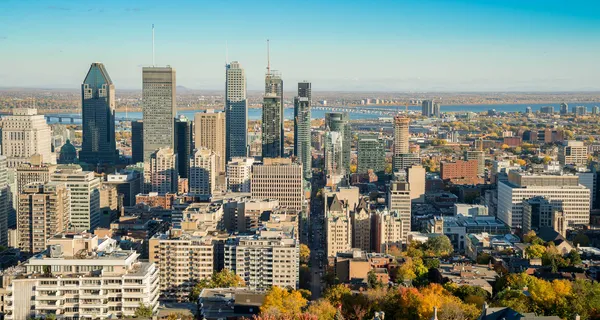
153, 44
268, 58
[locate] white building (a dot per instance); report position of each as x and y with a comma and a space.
572, 152
338, 225
239, 171
264, 260
85, 196
25, 133
161, 173
203, 170
399, 201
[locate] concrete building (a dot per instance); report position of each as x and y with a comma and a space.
480, 157
389, 229
456, 228
564, 108
33, 171
280, 179
429, 108
361, 226
416, 179
470, 210
183, 145
137, 141
371, 154
399, 203
264, 260
339, 122
183, 261
85, 197
405, 161
203, 169
466, 171
239, 171
25, 133
272, 126
236, 112
44, 209
249, 212
572, 152
562, 191
537, 213
5, 201
128, 184
159, 108
401, 135
78, 276
338, 226
161, 171
98, 117
302, 105
209, 129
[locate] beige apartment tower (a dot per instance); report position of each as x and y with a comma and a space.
25, 133
573, 152
209, 132
161, 172
399, 202
279, 179
239, 171
85, 197
401, 135
416, 180
33, 171
202, 172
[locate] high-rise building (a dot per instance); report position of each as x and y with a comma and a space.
85, 197
572, 152
161, 171
33, 171
98, 117
401, 135
209, 129
361, 226
202, 172
334, 154
338, 122
183, 145
25, 133
128, 183
564, 108
236, 112
159, 108
389, 230
416, 179
405, 161
528, 110
239, 171
338, 225
537, 213
480, 157
44, 210
430, 108
547, 109
579, 110
264, 260
595, 110
302, 105
399, 201
371, 154
137, 141
5, 201
279, 179
272, 126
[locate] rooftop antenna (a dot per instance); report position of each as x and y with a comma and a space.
268, 58
153, 44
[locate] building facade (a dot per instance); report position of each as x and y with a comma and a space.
159, 108
302, 145
338, 225
236, 112
183, 145
85, 197
209, 129
272, 126
573, 152
399, 202
161, 171
137, 141
338, 122
239, 171
25, 133
203, 169
280, 179
371, 154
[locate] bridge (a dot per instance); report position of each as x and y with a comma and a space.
375, 111
68, 118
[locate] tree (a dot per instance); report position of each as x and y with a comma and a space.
574, 257
535, 251
529, 236
323, 309
304, 253
483, 258
222, 279
439, 245
280, 302
581, 239
372, 280
50, 316
143, 311
336, 294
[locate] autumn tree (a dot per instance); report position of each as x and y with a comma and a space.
222, 279
279, 301
535, 251
304, 254
336, 294
323, 309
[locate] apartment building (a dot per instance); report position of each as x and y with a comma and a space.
399, 202
338, 225
239, 171
280, 179
85, 196
573, 152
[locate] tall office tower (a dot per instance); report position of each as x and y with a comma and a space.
333, 156
338, 121
159, 108
236, 112
239, 171
399, 200
338, 226
564, 108
25, 133
44, 210
98, 117
361, 226
480, 157
272, 133
430, 108
388, 230
274, 86
302, 105
202, 172
572, 152
264, 260
279, 179
416, 180
85, 197
34, 171
401, 135
210, 129
137, 141
5, 200
171, 253
161, 172
563, 191
371, 154
183, 145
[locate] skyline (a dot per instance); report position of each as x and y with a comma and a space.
349, 46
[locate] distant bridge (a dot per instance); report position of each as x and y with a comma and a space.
376, 111
69, 118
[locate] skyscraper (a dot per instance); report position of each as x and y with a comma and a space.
5, 195
159, 108
399, 201
334, 155
236, 112
183, 145
401, 135
161, 172
210, 131
302, 105
338, 121
25, 133
85, 197
202, 172
137, 141
564, 108
98, 117
371, 154
429, 108
272, 126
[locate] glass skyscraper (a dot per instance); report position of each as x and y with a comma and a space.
274, 88
159, 108
272, 138
302, 105
338, 122
236, 111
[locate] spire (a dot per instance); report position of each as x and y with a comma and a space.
268, 58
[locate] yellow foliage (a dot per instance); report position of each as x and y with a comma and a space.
282, 302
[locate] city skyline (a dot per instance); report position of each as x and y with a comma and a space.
491, 46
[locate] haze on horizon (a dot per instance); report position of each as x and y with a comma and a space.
338, 45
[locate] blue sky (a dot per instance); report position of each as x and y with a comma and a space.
504, 45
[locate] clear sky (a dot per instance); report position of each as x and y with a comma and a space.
422, 45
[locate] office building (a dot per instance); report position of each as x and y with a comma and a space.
430, 108
209, 129
239, 171
547, 109
128, 183
280, 179
86, 277
404, 161
203, 169
338, 225
416, 179
98, 117
460, 171
183, 145
537, 213
25, 133
572, 152
338, 122
458, 227
389, 230
137, 141
85, 197
399, 202
44, 209
6, 199
183, 260
272, 126
33, 171
480, 157
563, 191
159, 108
564, 108
161, 171
595, 110
334, 154
236, 112
361, 226
371, 154
579, 111
264, 260
302, 150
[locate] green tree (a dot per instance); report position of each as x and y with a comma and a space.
336, 294
574, 257
535, 251
143, 311
372, 280
222, 279
439, 245
581, 239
